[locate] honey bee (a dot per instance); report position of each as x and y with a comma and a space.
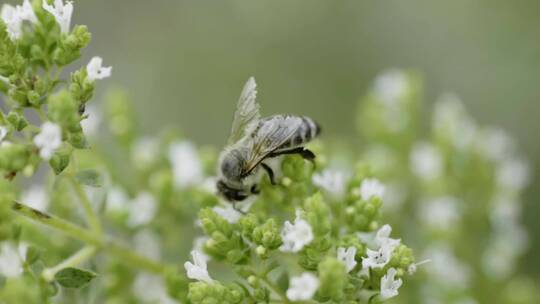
254, 141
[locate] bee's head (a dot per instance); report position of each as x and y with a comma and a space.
230, 193
231, 164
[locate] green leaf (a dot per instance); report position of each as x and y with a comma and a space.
32, 255
283, 281
90, 178
74, 277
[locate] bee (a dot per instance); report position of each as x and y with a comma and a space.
255, 141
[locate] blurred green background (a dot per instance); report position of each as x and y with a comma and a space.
184, 62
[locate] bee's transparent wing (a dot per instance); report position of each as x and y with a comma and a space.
271, 135
247, 114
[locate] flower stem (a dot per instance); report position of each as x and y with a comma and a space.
275, 289
79, 257
110, 246
91, 216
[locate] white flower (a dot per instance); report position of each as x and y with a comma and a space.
333, 182
382, 238
390, 86
425, 161
147, 243
151, 288
377, 258
371, 187
48, 140
440, 213
95, 69
296, 236
496, 144
11, 259
513, 174
227, 211
303, 287
36, 197
197, 270
187, 168
450, 120
145, 151
62, 13
3, 133
91, 123
117, 200
347, 257
389, 285
26, 12
142, 209
13, 21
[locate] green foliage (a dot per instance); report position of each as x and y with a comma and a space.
73, 277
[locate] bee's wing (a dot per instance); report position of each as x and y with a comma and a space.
271, 135
247, 114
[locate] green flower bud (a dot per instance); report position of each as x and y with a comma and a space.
215, 293
296, 168
14, 157
80, 88
64, 110
333, 280
268, 235
70, 46
17, 120
177, 284
317, 212
362, 215
314, 253
60, 160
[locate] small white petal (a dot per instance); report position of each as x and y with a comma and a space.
62, 13
11, 259
147, 243
333, 182
96, 70
296, 236
26, 12
13, 21
117, 200
425, 161
232, 215
303, 287
371, 187
198, 269
48, 140
390, 86
389, 285
346, 256
91, 124
3, 133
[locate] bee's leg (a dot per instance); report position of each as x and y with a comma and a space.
308, 155
270, 173
305, 153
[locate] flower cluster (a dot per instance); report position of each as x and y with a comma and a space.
460, 184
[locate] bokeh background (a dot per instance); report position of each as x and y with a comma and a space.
184, 62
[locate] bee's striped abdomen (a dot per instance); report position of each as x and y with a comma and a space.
307, 131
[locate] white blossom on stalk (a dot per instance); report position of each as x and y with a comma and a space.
36, 197
425, 161
389, 285
142, 209
377, 258
303, 287
371, 187
117, 200
186, 165
333, 182
11, 259
26, 12
96, 70
3, 133
198, 245
513, 174
229, 213
145, 150
198, 269
496, 144
382, 238
346, 256
296, 236
61, 12
48, 140
390, 86
13, 21
451, 121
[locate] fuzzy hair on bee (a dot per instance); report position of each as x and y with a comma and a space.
255, 143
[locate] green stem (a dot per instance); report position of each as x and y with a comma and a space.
76, 259
275, 289
91, 216
110, 246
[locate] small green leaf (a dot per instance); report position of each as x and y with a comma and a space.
90, 178
74, 277
283, 281
32, 255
